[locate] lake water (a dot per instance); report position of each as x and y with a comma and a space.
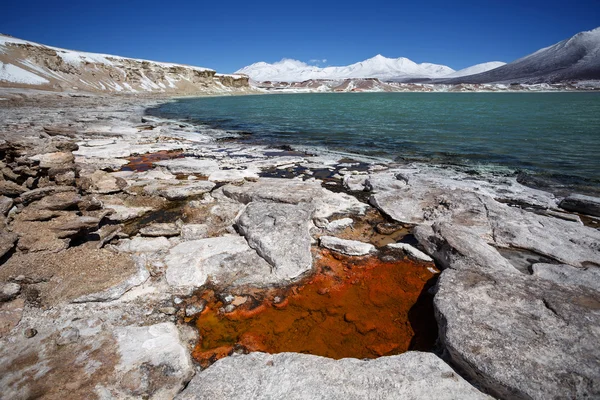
552, 135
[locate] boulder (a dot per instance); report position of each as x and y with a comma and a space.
410, 251
103, 183
6, 204
11, 189
7, 242
226, 260
57, 202
348, 247
520, 336
411, 375
50, 160
280, 234
582, 204
36, 194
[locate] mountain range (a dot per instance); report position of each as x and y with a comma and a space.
576, 58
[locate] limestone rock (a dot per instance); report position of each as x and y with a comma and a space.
582, 204
50, 160
348, 247
103, 183
194, 231
410, 251
233, 175
161, 229
124, 213
280, 234
520, 336
179, 190
36, 194
568, 275
411, 375
339, 224
9, 291
58, 201
190, 166
226, 260
144, 245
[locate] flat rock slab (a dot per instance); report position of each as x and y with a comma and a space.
86, 358
280, 234
567, 275
582, 204
179, 190
72, 273
190, 166
410, 251
520, 336
161, 229
412, 375
124, 213
348, 247
224, 261
325, 202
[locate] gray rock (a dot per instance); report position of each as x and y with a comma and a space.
193, 309
349, 247
410, 251
6, 204
582, 204
50, 160
11, 189
340, 224
124, 213
179, 190
568, 275
280, 235
9, 291
190, 166
161, 229
412, 375
194, 231
454, 246
103, 183
520, 336
355, 182
144, 245
326, 203
226, 260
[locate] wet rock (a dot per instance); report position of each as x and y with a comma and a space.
6, 204
226, 260
50, 160
410, 251
36, 194
124, 213
195, 308
280, 234
568, 275
144, 245
7, 242
274, 376
194, 231
582, 204
11, 189
9, 291
454, 246
520, 336
355, 182
387, 228
161, 229
190, 166
348, 247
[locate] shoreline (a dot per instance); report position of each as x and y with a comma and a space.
101, 266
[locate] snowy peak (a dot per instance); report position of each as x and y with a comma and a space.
476, 69
380, 67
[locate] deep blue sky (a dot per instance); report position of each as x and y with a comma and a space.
227, 35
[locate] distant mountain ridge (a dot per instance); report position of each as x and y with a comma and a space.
573, 59
379, 67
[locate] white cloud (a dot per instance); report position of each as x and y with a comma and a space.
317, 61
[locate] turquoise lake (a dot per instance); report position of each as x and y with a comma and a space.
554, 135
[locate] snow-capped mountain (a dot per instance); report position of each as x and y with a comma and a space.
32, 65
380, 67
574, 59
476, 69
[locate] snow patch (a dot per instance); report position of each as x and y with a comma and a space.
14, 74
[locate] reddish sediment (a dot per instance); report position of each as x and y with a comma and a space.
145, 162
359, 307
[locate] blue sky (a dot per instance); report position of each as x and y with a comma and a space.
227, 35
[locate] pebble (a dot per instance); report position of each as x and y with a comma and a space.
193, 309
30, 332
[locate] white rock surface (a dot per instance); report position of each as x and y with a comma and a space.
349, 247
411, 251
293, 376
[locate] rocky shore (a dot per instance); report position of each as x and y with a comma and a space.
113, 223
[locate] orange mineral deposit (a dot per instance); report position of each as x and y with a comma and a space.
359, 307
